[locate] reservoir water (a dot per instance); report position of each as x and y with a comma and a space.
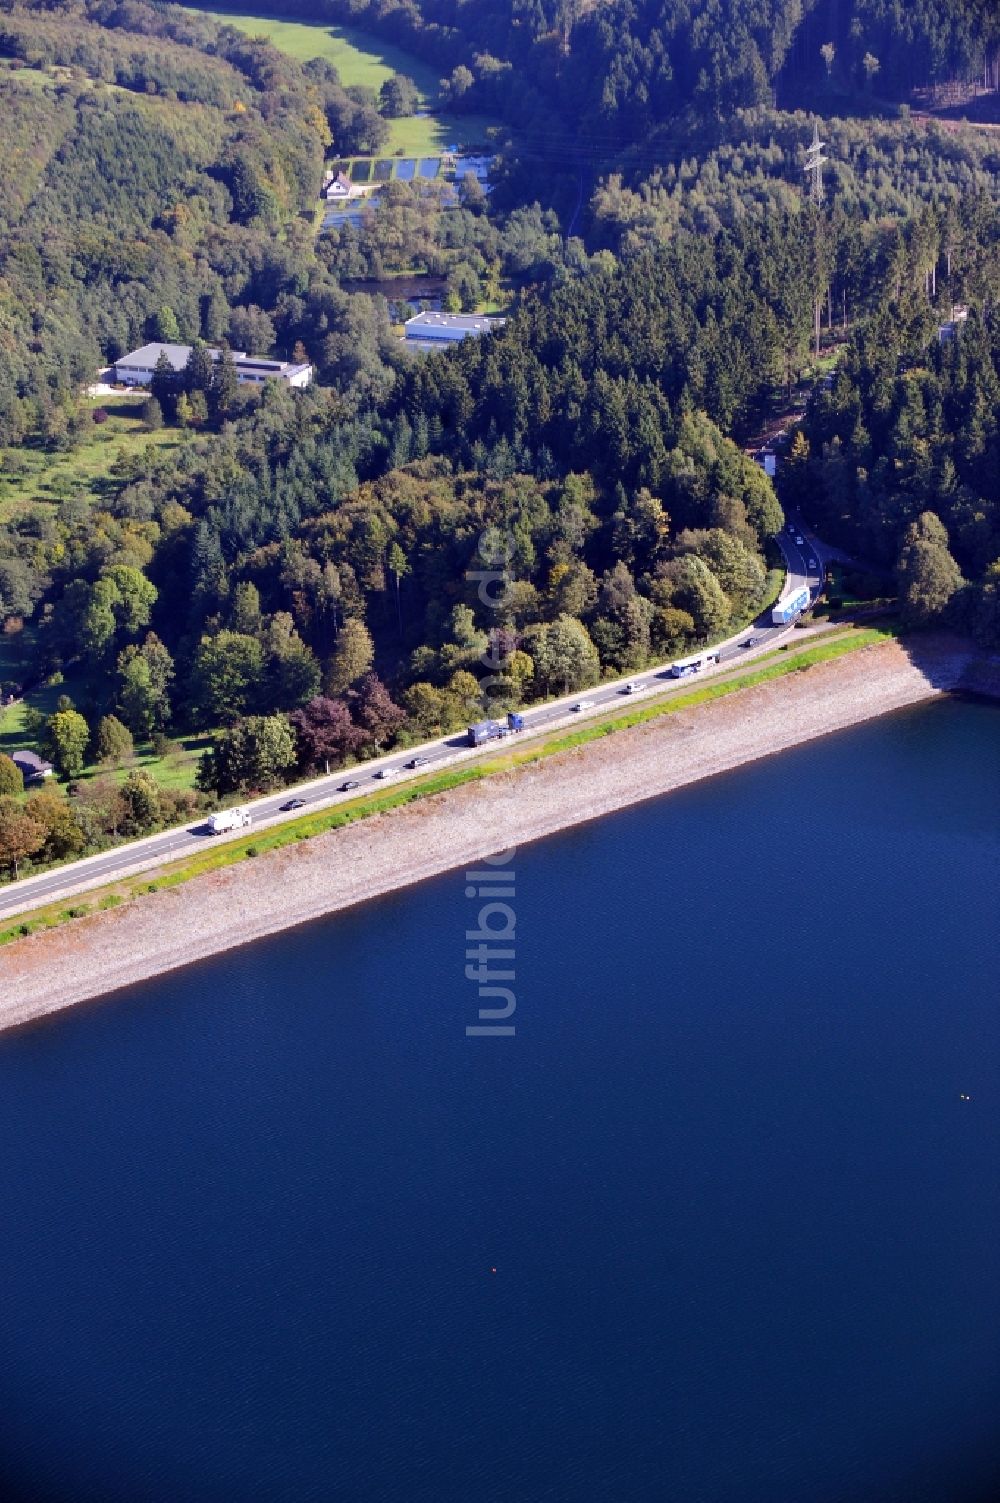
720, 1223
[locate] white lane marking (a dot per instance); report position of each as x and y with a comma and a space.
322, 793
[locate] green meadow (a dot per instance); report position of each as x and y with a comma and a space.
361, 58
358, 57
33, 475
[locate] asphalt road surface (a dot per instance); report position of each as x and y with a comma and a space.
804, 562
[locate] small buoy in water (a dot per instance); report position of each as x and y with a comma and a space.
492, 1270
964, 1097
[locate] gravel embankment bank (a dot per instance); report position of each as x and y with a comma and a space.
215, 912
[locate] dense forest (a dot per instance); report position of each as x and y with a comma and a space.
587, 80
877, 170
295, 572
153, 176
902, 448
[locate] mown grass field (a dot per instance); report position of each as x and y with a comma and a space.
361, 58
428, 136
177, 770
31, 474
358, 57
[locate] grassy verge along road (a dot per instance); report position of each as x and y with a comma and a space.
171, 872
59, 882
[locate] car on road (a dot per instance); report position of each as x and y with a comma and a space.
384, 773
799, 539
419, 762
813, 564
632, 687
351, 783
583, 704
749, 642
292, 803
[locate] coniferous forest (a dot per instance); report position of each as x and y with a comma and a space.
287, 574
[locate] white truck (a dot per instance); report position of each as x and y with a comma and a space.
688, 666
229, 819
790, 606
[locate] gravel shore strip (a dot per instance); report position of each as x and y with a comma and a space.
219, 910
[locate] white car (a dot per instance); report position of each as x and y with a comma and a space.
631, 688
799, 540
583, 704
813, 564
384, 773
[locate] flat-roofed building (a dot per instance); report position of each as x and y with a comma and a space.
432, 330
251, 369
137, 369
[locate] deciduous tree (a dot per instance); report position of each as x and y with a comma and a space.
291, 672
254, 753
227, 672
927, 575
145, 674
352, 657
398, 96
68, 735
21, 835
11, 778
140, 801
564, 655
53, 812
375, 712
324, 732
114, 741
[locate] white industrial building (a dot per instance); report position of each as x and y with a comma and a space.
432, 330
137, 369
251, 368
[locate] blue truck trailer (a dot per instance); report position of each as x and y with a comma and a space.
793, 605
494, 730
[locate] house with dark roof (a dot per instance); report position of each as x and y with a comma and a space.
33, 768
339, 187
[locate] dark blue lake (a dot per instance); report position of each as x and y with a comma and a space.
744, 1225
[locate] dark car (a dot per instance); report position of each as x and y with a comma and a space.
293, 803
748, 642
351, 783
419, 762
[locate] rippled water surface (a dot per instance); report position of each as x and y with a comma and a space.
743, 1225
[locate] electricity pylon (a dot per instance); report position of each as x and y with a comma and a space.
815, 162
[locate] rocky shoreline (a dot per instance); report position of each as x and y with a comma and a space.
215, 912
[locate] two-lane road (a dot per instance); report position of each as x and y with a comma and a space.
805, 566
